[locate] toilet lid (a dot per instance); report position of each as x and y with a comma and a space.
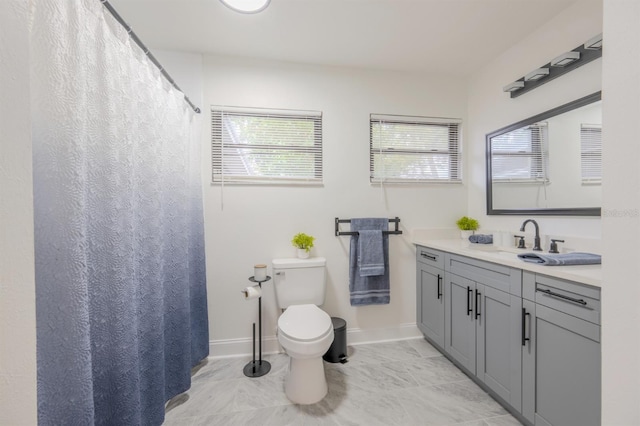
304, 322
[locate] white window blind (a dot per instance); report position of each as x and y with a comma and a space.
414, 149
251, 145
591, 153
521, 155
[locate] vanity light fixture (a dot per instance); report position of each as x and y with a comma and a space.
537, 74
565, 59
559, 66
516, 85
246, 6
594, 43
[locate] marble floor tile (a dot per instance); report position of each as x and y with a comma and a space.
376, 408
259, 392
424, 348
379, 377
449, 403
283, 415
184, 421
433, 371
383, 352
391, 383
209, 398
506, 420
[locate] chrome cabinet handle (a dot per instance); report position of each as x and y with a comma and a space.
562, 296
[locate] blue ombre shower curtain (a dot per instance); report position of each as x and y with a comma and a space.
120, 270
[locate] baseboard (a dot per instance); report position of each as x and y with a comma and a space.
359, 336
238, 347
355, 336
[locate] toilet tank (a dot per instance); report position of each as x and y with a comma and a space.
299, 281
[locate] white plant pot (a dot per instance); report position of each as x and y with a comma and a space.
303, 254
466, 234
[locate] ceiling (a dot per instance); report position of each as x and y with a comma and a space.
441, 36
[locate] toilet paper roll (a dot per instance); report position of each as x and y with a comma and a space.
252, 292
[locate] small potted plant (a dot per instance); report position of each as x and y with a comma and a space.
467, 226
303, 243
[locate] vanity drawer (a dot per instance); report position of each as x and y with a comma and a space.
497, 276
578, 300
429, 256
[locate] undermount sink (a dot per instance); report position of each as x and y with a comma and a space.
505, 253
484, 247
489, 249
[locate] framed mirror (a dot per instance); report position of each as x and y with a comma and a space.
548, 164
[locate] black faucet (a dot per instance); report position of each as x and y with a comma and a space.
536, 240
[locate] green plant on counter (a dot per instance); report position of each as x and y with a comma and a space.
303, 241
467, 224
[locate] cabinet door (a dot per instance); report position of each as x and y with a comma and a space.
460, 327
498, 357
430, 308
561, 370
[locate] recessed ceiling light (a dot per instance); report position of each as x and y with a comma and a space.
565, 59
246, 6
537, 74
513, 86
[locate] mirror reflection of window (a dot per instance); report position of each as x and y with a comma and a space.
548, 164
591, 154
521, 155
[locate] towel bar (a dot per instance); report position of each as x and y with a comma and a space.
338, 221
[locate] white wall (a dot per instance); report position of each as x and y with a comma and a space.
17, 281
621, 214
257, 223
186, 70
491, 109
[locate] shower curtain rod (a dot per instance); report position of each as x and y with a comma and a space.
146, 51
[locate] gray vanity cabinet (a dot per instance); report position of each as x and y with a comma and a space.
430, 294
482, 323
561, 352
530, 339
460, 323
498, 353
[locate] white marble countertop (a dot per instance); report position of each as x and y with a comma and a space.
508, 256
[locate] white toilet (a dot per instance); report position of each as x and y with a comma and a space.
304, 330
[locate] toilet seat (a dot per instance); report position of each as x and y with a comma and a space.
305, 323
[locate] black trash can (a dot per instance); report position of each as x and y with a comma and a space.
338, 350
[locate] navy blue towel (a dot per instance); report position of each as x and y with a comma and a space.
368, 290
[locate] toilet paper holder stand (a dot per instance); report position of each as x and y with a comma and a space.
260, 367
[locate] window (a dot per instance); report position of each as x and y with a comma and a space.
414, 149
591, 153
260, 146
521, 155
